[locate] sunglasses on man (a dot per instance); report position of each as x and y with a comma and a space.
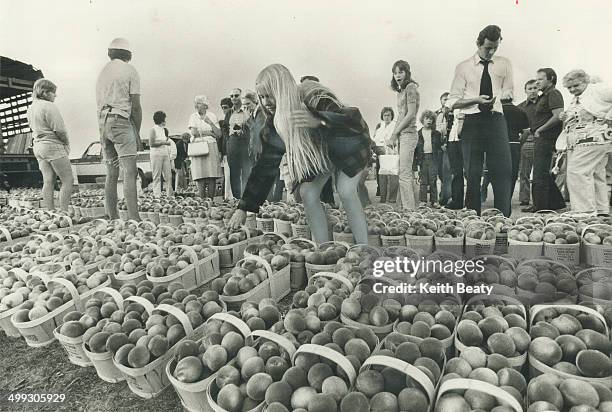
234, 95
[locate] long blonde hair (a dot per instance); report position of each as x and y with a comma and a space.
306, 152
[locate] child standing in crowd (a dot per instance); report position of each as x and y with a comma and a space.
51, 145
387, 184
427, 156
160, 145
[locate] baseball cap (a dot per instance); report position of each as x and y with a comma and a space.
120, 43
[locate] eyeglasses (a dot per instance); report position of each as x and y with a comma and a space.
224, 107
234, 95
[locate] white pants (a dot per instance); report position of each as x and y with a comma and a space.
586, 178
160, 165
226, 176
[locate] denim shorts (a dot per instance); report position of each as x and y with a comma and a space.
49, 151
117, 137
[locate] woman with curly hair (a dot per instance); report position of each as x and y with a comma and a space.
405, 133
587, 136
318, 136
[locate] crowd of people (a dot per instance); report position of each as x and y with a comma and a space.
302, 139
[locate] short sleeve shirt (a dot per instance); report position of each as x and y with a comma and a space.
549, 100
410, 95
117, 81
240, 118
45, 119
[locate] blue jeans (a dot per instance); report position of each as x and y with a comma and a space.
240, 163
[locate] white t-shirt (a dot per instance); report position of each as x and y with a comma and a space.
117, 81
427, 143
196, 121
384, 132
158, 135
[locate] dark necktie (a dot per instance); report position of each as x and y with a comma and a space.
486, 87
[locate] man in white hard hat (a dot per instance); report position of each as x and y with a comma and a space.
119, 117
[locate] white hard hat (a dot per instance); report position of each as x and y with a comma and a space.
120, 43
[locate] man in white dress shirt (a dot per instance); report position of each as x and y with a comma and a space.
476, 87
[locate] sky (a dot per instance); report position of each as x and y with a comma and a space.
190, 47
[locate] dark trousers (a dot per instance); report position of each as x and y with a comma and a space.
239, 163
515, 154
487, 133
455, 157
526, 165
445, 175
378, 150
276, 193
429, 177
545, 193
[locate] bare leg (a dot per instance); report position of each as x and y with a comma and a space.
64, 171
201, 183
48, 182
130, 171
110, 189
347, 190
311, 195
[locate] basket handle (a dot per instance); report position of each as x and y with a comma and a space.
562, 224
276, 338
535, 309
496, 257
188, 224
114, 294
335, 242
145, 223
526, 263
588, 270
192, 254
405, 368
169, 228
148, 306
261, 260
279, 235
371, 249
479, 222
595, 226
109, 242
507, 299
157, 249
302, 239
480, 386
493, 209
6, 234
76, 298
179, 314
528, 219
234, 321
20, 273
333, 276
546, 212
330, 354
